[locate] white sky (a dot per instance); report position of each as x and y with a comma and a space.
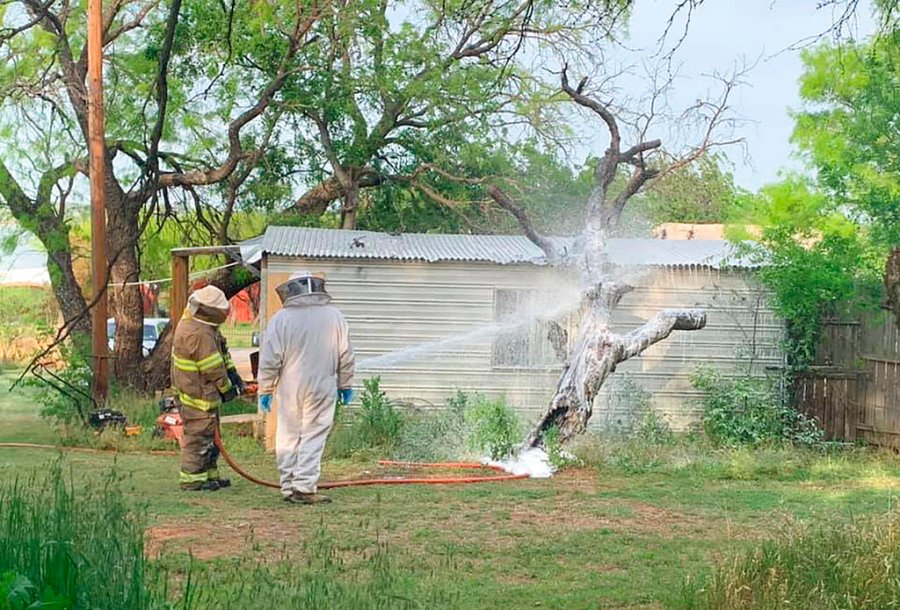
724, 32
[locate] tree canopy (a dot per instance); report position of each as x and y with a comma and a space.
827, 237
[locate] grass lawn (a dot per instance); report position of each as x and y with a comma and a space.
623, 537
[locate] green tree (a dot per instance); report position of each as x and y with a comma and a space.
413, 103
825, 239
214, 109
177, 76
815, 260
848, 134
701, 192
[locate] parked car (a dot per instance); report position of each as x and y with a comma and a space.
153, 328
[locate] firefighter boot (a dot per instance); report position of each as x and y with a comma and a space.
200, 486
297, 497
222, 483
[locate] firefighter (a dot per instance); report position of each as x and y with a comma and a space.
204, 376
307, 358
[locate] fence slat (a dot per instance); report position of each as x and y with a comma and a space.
853, 390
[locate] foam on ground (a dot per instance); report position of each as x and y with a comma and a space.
534, 462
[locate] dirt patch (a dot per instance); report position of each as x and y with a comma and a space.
215, 537
583, 480
621, 515
202, 539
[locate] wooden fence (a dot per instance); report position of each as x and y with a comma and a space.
854, 388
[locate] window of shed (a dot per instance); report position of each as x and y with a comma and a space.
525, 346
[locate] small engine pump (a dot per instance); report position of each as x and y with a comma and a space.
169, 424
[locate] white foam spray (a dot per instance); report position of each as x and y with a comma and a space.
532, 461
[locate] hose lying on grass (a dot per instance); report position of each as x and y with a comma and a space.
334, 484
404, 481
83, 449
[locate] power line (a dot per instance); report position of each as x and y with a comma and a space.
165, 280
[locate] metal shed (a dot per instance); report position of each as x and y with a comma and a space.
432, 314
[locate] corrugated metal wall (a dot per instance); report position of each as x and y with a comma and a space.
394, 305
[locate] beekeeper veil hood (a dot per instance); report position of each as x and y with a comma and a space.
300, 283
208, 304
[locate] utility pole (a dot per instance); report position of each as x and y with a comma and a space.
97, 152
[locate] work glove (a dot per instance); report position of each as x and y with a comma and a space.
265, 403
345, 396
230, 395
237, 382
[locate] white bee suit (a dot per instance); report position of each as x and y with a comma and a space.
305, 357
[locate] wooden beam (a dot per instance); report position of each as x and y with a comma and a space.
205, 250
97, 152
179, 293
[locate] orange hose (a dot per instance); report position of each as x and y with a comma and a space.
428, 481
364, 482
84, 449
453, 465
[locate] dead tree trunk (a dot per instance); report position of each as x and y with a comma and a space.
596, 352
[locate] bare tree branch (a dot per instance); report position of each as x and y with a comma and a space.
303, 24
162, 87
660, 327
507, 203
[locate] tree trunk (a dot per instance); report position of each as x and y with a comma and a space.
350, 203
892, 283
54, 236
597, 353
122, 242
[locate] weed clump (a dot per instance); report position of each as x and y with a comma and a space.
495, 428
856, 565
472, 426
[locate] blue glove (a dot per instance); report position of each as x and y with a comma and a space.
345, 396
265, 402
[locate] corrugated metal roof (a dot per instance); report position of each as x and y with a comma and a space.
501, 249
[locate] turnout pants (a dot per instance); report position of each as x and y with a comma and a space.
199, 454
303, 428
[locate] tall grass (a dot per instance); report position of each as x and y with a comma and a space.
67, 546
855, 566
82, 549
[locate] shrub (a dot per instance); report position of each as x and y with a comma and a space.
495, 427
379, 423
556, 455
437, 436
856, 565
65, 395
630, 413
748, 411
470, 427
376, 426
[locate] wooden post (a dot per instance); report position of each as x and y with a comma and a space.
270, 426
179, 288
97, 151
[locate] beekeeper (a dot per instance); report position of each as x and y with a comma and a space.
204, 376
305, 357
